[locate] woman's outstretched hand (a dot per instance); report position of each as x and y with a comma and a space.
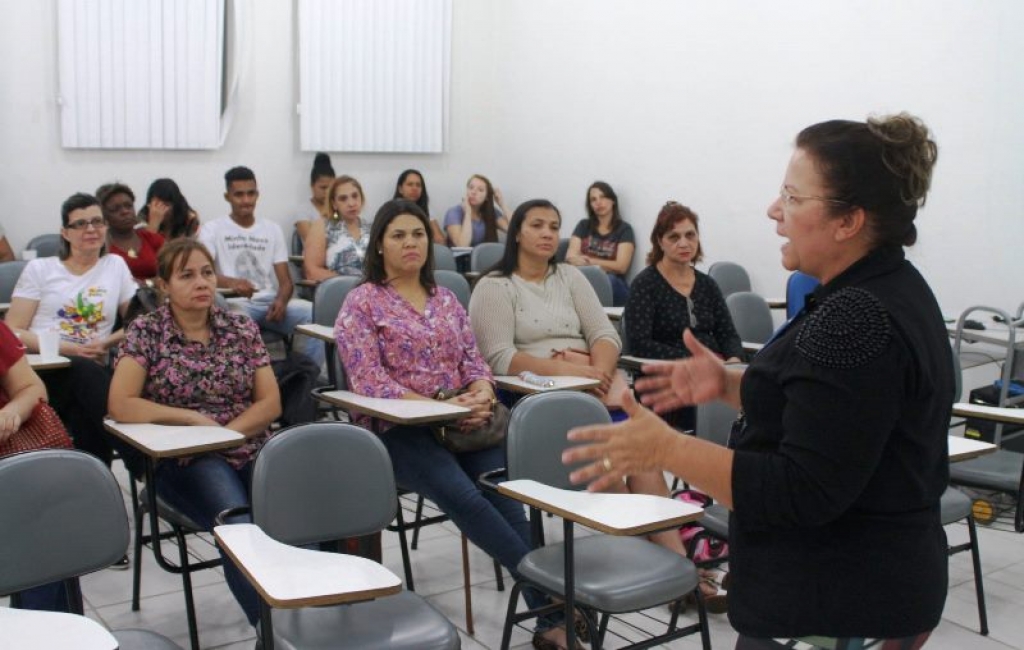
694, 380
614, 451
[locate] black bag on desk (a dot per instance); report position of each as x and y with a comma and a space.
296, 378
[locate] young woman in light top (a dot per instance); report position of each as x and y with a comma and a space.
476, 220
337, 245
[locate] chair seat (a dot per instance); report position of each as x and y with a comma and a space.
401, 621
169, 513
998, 471
143, 640
955, 505
613, 574
716, 520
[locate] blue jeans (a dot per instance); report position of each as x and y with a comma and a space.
202, 489
51, 597
620, 290
496, 524
296, 313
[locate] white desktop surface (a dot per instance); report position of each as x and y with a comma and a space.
995, 413
612, 513
21, 629
967, 448
161, 440
517, 385
288, 576
312, 330
39, 363
401, 411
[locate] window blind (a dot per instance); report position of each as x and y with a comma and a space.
141, 74
374, 75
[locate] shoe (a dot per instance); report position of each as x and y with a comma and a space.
541, 643
121, 564
579, 624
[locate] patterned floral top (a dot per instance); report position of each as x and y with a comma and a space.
388, 348
344, 254
216, 380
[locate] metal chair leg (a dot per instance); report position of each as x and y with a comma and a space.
979, 587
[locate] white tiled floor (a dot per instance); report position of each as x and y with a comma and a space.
438, 578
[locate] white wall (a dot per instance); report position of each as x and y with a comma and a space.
700, 101
664, 99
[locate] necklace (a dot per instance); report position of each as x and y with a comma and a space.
130, 249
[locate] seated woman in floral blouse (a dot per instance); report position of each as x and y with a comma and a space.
402, 337
191, 363
671, 296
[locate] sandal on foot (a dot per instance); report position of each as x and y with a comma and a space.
542, 643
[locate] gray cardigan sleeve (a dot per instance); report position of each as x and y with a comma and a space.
492, 315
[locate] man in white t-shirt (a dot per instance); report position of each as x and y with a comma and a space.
252, 260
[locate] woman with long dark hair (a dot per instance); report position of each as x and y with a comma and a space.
603, 239
401, 336
167, 211
412, 187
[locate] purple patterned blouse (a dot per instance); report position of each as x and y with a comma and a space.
216, 380
388, 348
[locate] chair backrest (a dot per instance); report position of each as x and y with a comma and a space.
297, 246
714, 422
536, 434
751, 315
485, 255
602, 285
9, 274
323, 481
563, 250
63, 516
444, 259
730, 277
797, 287
330, 296
455, 282
45, 245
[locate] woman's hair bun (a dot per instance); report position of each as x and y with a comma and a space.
908, 152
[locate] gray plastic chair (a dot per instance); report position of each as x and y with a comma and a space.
63, 517
598, 279
730, 277
330, 296
444, 259
45, 245
9, 274
485, 255
455, 282
327, 481
613, 575
751, 315
714, 423
563, 250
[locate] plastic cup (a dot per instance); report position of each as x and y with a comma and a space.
49, 344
